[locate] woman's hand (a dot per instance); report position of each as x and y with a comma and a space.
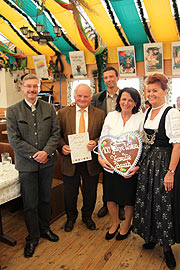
132, 172
169, 181
104, 163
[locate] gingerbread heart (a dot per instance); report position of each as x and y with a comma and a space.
122, 152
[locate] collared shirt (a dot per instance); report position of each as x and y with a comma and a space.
111, 101
78, 114
30, 104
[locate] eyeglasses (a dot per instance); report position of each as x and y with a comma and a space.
34, 86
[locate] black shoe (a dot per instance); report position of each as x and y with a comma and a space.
110, 236
29, 249
49, 235
169, 259
102, 211
123, 236
121, 213
69, 225
150, 245
89, 224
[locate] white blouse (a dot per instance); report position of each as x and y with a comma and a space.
114, 125
172, 123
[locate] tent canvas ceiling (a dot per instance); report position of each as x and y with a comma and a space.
162, 26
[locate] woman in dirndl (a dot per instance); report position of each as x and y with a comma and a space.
157, 207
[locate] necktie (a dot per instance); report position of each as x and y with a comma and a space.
82, 123
33, 107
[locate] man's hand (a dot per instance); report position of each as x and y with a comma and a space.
66, 150
91, 144
41, 157
72, 104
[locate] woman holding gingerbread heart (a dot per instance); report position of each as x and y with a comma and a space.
119, 190
157, 207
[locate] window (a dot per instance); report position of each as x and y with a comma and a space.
175, 90
72, 85
130, 82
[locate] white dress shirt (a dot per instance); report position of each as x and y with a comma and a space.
114, 125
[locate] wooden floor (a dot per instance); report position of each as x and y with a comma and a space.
80, 249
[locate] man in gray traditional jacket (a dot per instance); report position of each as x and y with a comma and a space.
33, 132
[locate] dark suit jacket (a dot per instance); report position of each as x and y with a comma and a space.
99, 101
30, 132
67, 120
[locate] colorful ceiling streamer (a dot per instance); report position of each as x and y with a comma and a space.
77, 18
162, 26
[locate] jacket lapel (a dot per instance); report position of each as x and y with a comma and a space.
72, 119
91, 118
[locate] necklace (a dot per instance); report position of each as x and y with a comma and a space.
158, 107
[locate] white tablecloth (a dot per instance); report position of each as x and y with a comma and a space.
9, 184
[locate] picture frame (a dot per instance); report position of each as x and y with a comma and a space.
78, 64
40, 66
176, 58
153, 58
126, 61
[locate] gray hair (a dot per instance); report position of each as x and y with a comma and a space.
30, 77
82, 84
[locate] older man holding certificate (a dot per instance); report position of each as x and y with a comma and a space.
84, 122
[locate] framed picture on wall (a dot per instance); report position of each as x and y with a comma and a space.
153, 58
176, 58
78, 65
126, 61
40, 66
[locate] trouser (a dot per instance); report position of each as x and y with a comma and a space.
71, 191
36, 195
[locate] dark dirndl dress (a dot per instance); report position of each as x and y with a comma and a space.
156, 211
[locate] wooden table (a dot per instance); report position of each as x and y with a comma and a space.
9, 190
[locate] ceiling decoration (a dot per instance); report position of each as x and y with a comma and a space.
146, 27
4, 48
162, 24
134, 29
77, 17
30, 8
18, 34
176, 15
115, 23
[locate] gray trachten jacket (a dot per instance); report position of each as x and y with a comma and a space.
29, 132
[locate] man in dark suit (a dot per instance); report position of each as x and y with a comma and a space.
33, 132
69, 119
106, 101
